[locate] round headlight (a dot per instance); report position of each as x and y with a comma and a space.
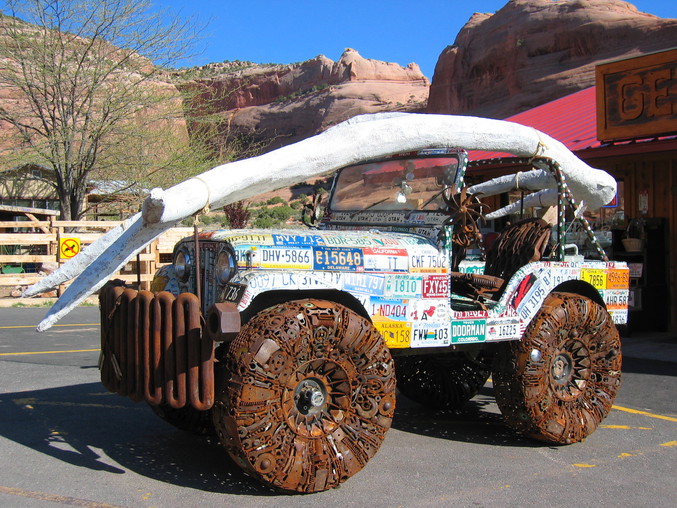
183, 265
225, 266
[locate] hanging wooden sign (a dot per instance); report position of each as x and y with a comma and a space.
637, 97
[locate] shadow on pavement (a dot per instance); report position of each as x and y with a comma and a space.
71, 423
478, 421
648, 366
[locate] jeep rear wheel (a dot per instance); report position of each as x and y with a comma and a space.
445, 381
310, 395
559, 382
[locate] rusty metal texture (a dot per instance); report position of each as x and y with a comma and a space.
443, 381
521, 243
559, 382
476, 286
223, 321
153, 348
465, 212
310, 396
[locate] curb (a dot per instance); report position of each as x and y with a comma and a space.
655, 346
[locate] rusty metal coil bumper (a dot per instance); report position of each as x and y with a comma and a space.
153, 348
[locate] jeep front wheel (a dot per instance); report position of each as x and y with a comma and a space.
559, 382
309, 395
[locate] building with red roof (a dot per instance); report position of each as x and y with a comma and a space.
626, 125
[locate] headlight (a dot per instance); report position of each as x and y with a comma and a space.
226, 265
183, 265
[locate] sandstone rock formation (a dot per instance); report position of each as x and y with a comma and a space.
282, 104
527, 53
533, 51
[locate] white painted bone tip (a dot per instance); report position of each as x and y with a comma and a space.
153, 206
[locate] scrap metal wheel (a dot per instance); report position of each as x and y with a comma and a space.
443, 381
559, 382
309, 396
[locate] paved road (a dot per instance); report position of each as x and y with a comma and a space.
64, 441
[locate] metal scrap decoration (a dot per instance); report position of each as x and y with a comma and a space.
574, 338
531, 180
131, 360
466, 211
309, 396
443, 381
358, 139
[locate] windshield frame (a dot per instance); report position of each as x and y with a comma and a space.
398, 183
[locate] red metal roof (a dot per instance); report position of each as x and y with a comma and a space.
571, 120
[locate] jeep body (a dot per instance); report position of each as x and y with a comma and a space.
302, 333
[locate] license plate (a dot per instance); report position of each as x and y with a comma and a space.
232, 293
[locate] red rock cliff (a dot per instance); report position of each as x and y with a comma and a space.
533, 51
287, 103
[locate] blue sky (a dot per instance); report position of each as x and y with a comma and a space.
277, 31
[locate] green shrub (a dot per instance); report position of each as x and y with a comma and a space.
277, 200
264, 222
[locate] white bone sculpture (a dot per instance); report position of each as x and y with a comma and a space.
355, 140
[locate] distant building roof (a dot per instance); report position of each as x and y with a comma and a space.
572, 120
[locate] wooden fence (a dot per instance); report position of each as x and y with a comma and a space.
29, 247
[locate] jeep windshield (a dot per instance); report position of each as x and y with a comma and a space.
402, 183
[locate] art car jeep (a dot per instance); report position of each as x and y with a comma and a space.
290, 344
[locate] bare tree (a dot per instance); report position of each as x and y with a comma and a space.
82, 92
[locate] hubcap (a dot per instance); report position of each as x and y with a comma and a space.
310, 396
570, 369
319, 400
561, 369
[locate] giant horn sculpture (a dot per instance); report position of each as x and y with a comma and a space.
358, 139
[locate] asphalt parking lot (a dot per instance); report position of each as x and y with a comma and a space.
65, 441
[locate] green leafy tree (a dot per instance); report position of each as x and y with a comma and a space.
83, 93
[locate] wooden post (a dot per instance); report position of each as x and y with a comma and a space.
51, 250
152, 265
60, 289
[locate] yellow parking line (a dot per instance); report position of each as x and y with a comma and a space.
54, 498
623, 427
644, 413
31, 402
50, 352
33, 326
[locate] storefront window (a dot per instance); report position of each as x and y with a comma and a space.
611, 216
602, 221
